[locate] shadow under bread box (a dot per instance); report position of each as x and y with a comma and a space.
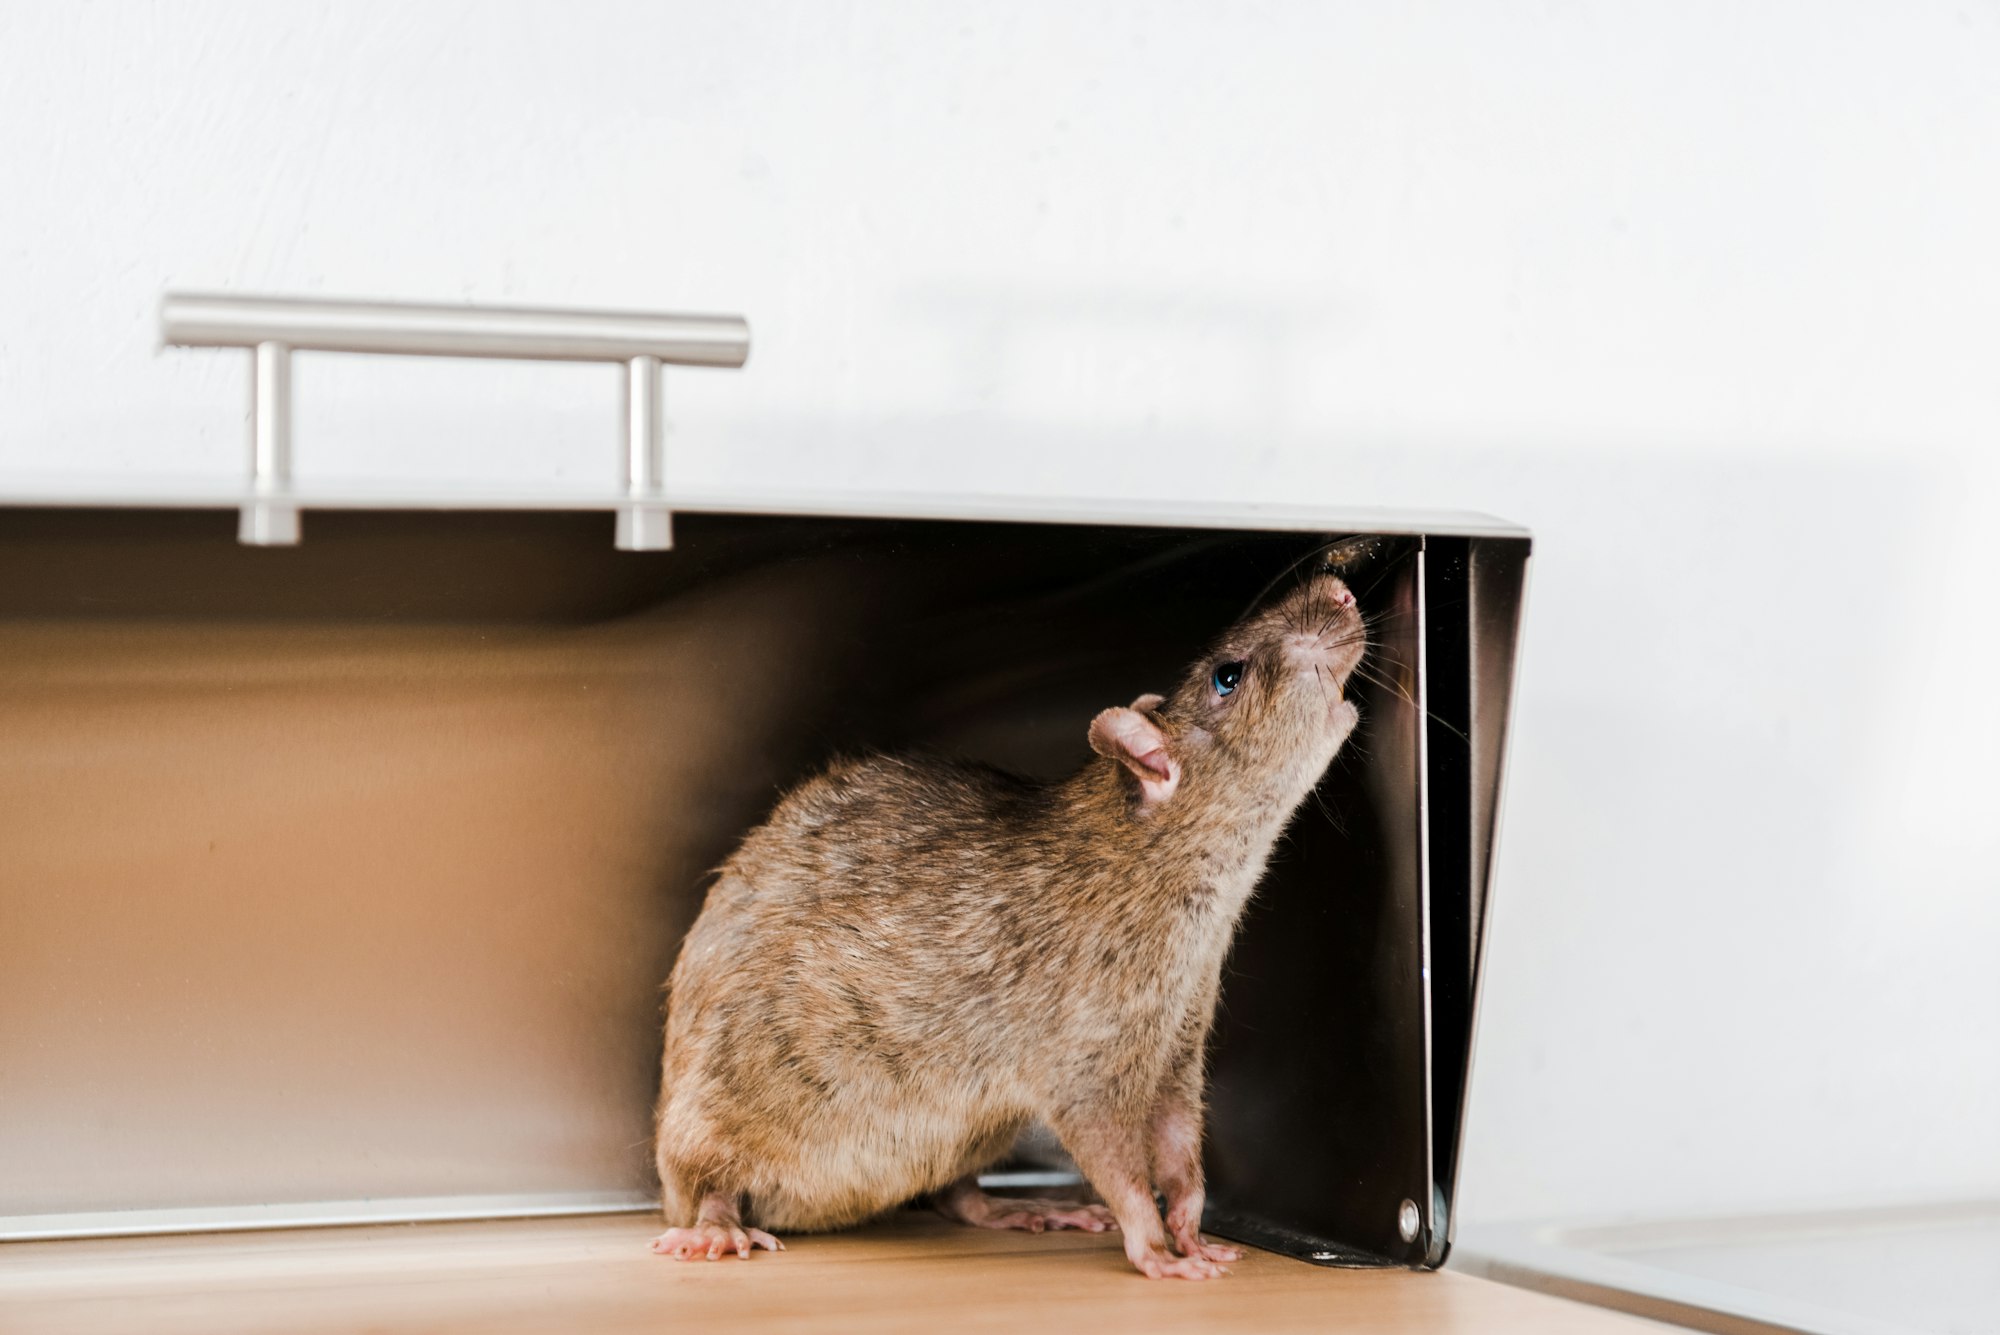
338, 881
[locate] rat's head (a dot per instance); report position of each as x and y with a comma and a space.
1257, 718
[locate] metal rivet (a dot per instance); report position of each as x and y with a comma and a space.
1408, 1220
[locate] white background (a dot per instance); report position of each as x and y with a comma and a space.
1708, 295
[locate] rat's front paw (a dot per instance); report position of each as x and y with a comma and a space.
1159, 1263
1196, 1245
1184, 1226
712, 1242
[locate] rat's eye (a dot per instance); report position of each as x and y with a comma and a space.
1227, 677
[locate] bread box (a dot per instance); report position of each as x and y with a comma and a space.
344, 856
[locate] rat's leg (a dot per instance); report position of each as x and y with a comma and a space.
1111, 1151
697, 1179
1175, 1133
717, 1231
964, 1201
718, 1214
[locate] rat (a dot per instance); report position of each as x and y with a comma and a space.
914, 957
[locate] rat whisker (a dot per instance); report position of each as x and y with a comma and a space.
1381, 658
1402, 693
1327, 624
1319, 799
1321, 552
1371, 672
1332, 819
1375, 584
1276, 580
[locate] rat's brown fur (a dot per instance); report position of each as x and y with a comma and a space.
914, 957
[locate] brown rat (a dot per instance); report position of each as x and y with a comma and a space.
913, 958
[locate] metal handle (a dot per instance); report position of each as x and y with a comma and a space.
272, 328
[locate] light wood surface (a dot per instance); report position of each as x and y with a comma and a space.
912, 1273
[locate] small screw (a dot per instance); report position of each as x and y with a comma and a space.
1407, 1220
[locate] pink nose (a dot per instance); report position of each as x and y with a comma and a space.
1344, 598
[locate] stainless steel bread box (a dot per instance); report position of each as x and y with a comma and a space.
338, 877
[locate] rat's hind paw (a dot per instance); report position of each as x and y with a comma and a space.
712, 1242
965, 1202
1035, 1216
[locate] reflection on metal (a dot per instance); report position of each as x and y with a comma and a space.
270, 520
644, 524
320, 1214
275, 327
318, 324
350, 873
1478, 588
1027, 1181
1882, 1270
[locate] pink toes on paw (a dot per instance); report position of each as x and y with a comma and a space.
1090, 1218
1025, 1220
712, 1242
690, 1244
1037, 1216
1208, 1251
1163, 1264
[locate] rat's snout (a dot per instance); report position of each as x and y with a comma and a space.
1322, 628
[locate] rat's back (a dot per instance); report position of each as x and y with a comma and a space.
886, 823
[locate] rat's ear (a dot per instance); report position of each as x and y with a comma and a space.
1136, 742
1147, 703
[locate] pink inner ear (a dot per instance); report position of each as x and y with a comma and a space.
1136, 742
1159, 774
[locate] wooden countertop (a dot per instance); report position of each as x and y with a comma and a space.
914, 1272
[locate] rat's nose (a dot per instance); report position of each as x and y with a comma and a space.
1343, 597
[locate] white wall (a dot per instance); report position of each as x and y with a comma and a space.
1708, 295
